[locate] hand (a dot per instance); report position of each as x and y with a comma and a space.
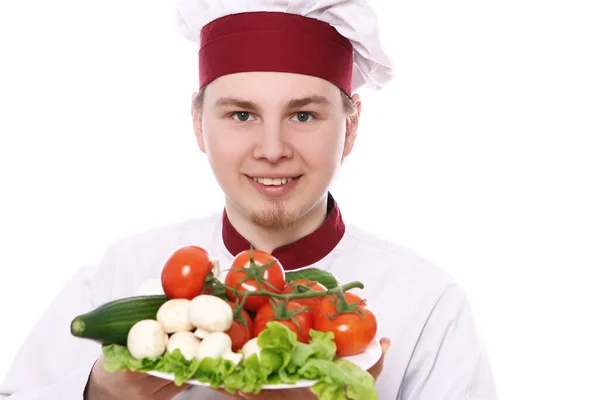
104, 385
305, 393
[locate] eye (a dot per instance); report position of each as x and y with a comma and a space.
303, 116
241, 116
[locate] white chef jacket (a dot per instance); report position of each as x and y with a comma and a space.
435, 351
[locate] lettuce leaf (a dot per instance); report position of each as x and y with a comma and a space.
247, 379
118, 358
320, 347
282, 359
336, 376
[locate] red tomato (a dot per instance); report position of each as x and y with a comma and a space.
310, 302
237, 279
184, 272
267, 314
353, 332
240, 333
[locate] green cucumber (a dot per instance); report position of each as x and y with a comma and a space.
110, 323
325, 278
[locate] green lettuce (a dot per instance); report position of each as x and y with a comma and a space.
336, 376
282, 359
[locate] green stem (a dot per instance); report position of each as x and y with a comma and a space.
292, 296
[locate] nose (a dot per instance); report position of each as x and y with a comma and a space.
272, 144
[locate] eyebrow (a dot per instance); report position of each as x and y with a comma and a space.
234, 102
310, 100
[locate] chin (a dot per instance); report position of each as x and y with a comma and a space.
275, 216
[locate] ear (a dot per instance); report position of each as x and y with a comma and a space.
197, 123
352, 126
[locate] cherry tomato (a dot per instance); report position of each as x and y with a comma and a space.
267, 314
240, 333
310, 302
274, 274
184, 272
353, 332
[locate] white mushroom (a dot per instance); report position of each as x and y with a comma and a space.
147, 339
151, 287
251, 347
186, 342
217, 344
235, 358
173, 316
201, 333
210, 314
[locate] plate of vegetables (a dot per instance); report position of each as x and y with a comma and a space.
253, 327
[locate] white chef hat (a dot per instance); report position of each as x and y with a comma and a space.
337, 40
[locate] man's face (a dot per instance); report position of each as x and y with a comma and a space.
274, 142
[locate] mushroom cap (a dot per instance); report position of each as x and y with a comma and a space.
251, 347
210, 313
147, 339
173, 316
214, 345
186, 342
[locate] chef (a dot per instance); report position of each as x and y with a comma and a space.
276, 113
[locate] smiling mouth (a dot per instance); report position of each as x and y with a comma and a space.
274, 181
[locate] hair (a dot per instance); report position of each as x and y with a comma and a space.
349, 105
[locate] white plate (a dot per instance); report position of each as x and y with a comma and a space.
364, 360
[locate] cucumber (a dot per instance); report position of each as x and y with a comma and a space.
325, 278
110, 323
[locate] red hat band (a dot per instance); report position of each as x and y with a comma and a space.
275, 41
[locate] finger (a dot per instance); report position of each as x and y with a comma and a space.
169, 391
376, 369
385, 345
287, 394
229, 395
263, 395
146, 384
134, 376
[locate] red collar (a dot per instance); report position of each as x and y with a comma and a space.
301, 253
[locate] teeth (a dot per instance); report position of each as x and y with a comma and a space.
273, 181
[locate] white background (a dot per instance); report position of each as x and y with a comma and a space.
482, 155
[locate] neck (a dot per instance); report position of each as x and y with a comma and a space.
268, 240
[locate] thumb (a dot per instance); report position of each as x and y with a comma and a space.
385, 345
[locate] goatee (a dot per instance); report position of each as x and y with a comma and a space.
275, 218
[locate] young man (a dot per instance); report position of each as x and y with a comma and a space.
276, 114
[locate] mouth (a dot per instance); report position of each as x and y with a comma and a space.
274, 186
274, 181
